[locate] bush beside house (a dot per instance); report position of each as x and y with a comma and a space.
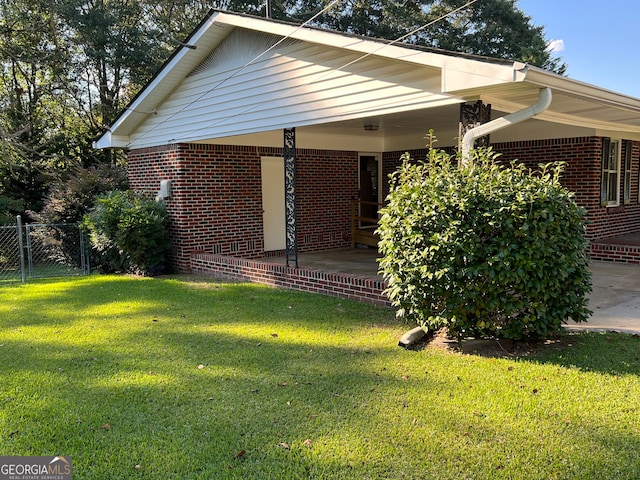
129, 231
484, 249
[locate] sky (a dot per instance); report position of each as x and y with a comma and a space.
598, 40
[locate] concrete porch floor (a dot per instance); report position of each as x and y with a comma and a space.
631, 239
615, 299
359, 261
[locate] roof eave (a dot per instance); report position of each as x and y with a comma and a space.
145, 102
461, 76
544, 78
108, 140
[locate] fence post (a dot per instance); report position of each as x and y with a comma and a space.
21, 248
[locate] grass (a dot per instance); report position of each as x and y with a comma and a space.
186, 379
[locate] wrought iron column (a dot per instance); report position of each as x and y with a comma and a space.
472, 115
291, 252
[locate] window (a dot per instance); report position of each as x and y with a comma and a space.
627, 147
610, 183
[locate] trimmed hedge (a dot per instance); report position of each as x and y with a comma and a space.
484, 249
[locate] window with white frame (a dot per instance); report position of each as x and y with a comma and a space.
610, 183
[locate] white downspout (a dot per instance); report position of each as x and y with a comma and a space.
540, 106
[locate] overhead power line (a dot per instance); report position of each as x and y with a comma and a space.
342, 67
246, 65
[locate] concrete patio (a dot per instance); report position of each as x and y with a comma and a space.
615, 299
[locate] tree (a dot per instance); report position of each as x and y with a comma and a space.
69, 67
34, 108
70, 199
494, 28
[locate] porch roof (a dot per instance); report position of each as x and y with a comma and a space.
238, 75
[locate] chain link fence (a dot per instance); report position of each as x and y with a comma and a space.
42, 250
11, 264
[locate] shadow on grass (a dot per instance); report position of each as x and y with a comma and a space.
164, 379
66, 301
609, 353
184, 405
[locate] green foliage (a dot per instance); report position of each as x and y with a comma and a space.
7, 208
69, 200
129, 231
484, 249
494, 28
192, 379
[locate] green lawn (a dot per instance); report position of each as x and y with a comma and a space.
186, 379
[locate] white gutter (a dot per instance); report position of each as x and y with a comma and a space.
540, 106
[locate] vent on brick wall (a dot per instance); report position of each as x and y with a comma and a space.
235, 246
251, 245
216, 249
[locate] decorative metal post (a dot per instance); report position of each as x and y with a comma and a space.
472, 115
291, 252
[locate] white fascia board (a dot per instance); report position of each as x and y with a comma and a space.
108, 140
460, 74
557, 82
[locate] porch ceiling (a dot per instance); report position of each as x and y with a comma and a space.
402, 124
572, 112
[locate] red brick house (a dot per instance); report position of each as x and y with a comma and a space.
258, 134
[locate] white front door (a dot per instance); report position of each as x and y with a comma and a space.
273, 209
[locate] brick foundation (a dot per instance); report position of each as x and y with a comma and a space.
341, 285
609, 252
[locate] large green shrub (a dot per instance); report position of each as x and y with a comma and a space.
129, 231
484, 249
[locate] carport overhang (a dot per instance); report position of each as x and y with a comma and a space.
577, 108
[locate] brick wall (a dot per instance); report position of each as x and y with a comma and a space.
216, 201
326, 182
341, 285
582, 176
216, 197
216, 205
391, 161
